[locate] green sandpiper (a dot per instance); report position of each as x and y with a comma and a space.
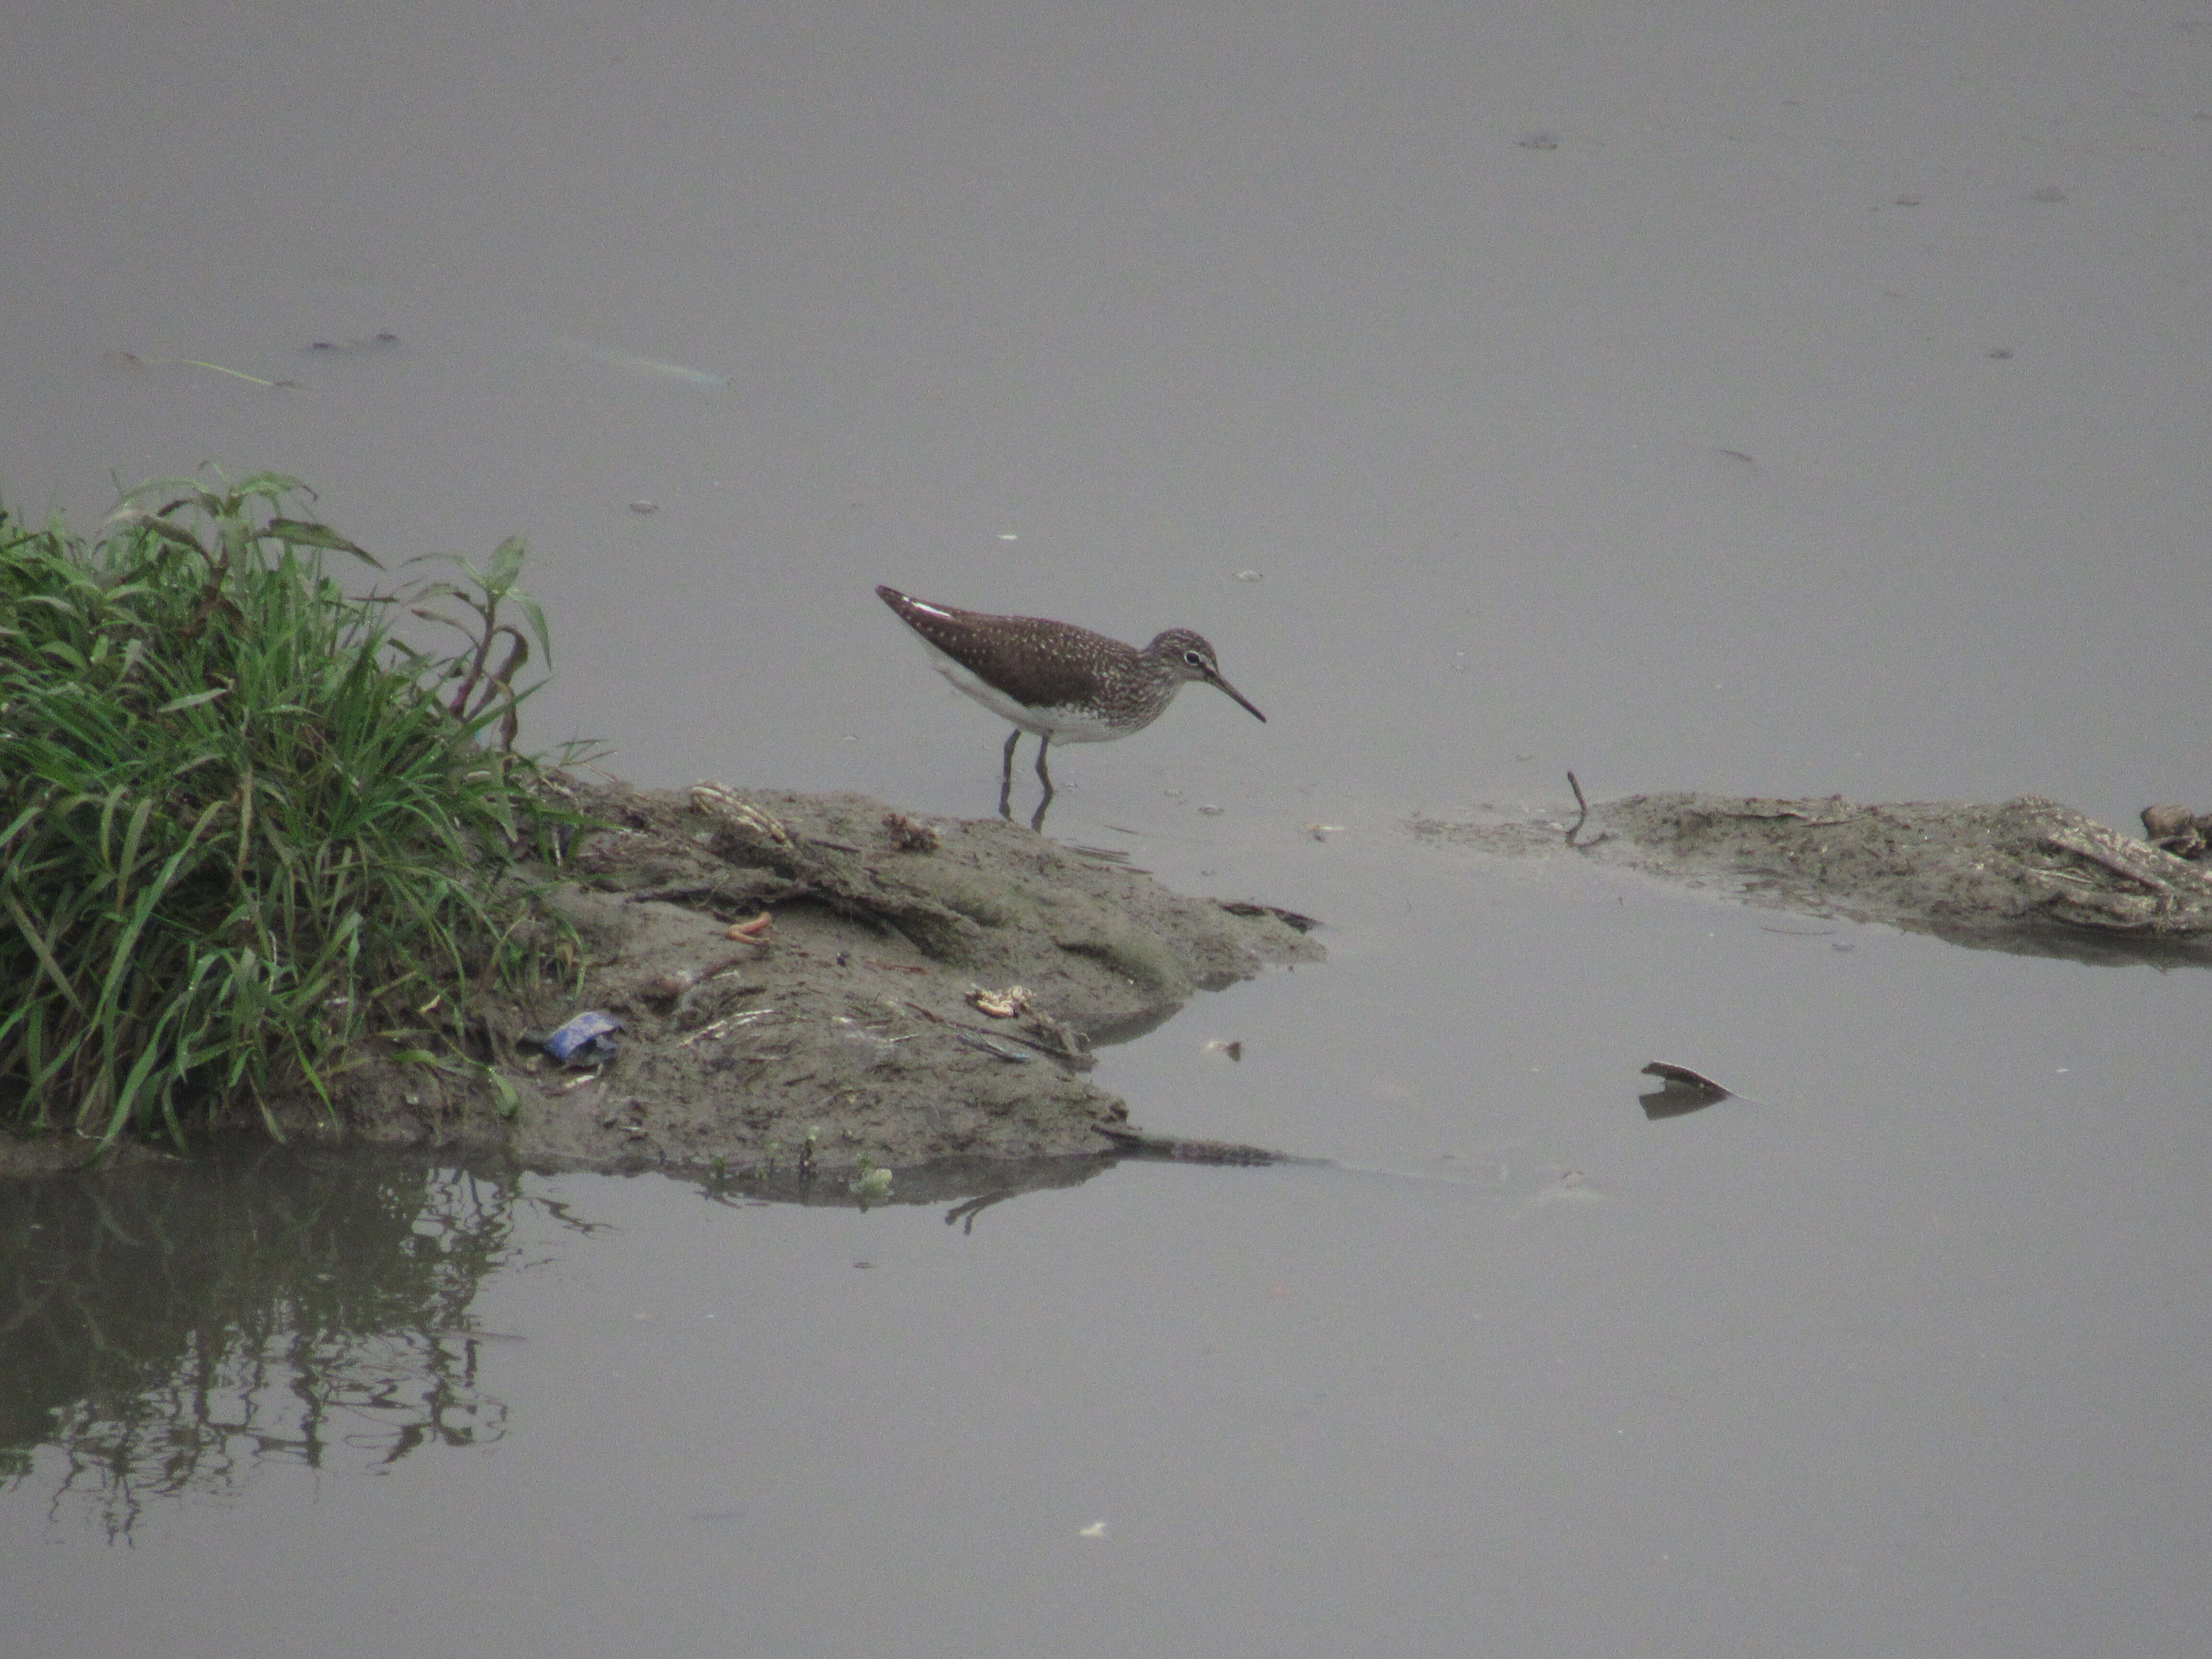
1056, 679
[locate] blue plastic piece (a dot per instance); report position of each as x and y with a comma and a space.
585, 1040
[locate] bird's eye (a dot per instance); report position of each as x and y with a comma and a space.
1193, 660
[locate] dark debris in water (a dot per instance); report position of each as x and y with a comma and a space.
347, 348
1681, 1091
1290, 919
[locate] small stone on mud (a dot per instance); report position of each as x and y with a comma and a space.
909, 835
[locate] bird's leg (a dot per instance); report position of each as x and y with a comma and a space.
1037, 823
1006, 775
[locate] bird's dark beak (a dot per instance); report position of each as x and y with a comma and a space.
1216, 680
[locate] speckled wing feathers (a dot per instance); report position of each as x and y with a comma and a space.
1043, 664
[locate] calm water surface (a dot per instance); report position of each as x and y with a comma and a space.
1695, 395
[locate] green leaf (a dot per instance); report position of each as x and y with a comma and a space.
301, 532
506, 566
193, 700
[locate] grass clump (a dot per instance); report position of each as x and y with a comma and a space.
241, 823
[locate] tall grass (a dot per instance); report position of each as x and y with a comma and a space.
241, 824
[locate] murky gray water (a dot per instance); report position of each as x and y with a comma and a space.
1584, 386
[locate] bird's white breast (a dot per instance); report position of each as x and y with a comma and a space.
1060, 725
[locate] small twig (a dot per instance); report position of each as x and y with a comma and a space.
131, 359
1053, 1051
2151, 867
990, 1046
1575, 783
723, 1026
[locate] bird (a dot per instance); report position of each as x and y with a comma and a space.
1057, 680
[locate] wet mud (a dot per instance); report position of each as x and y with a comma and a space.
808, 987
2027, 875
813, 985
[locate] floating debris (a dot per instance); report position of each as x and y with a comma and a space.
1680, 1090
1290, 919
1234, 1050
1683, 1075
645, 506
348, 348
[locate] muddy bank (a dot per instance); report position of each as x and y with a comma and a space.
897, 994
2026, 875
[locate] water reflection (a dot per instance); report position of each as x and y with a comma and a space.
166, 1327
967, 1186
